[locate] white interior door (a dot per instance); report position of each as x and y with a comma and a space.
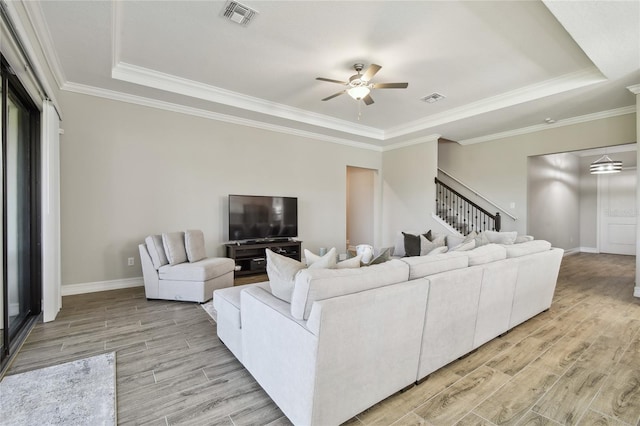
617, 212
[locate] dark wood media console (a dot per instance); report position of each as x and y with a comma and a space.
252, 259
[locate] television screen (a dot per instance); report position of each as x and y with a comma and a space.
253, 217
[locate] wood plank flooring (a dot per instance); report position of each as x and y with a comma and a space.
578, 363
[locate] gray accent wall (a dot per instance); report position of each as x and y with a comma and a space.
554, 199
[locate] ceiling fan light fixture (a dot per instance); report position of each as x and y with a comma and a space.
358, 92
605, 165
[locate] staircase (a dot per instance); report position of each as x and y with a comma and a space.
461, 213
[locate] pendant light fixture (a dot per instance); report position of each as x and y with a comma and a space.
605, 165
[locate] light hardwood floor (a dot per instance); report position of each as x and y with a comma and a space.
578, 363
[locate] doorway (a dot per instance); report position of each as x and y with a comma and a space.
20, 231
360, 206
617, 212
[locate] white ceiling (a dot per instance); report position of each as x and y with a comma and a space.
503, 66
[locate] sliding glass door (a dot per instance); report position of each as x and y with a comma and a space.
20, 230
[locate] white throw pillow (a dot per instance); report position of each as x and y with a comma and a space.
469, 245
482, 240
454, 241
353, 262
438, 250
173, 243
282, 272
523, 239
194, 245
316, 262
501, 237
380, 255
426, 246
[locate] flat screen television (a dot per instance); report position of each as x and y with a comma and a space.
259, 217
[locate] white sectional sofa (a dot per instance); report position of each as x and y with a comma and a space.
352, 337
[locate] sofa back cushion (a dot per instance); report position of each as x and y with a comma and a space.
156, 251
194, 245
422, 266
282, 272
174, 247
319, 284
486, 254
530, 247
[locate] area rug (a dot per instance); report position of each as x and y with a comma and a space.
80, 392
208, 308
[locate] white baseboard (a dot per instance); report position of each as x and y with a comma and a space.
636, 291
589, 250
82, 288
574, 250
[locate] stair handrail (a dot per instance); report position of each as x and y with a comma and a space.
497, 219
515, 218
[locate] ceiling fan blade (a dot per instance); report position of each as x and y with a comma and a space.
334, 95
331, 80
370, 72
367, 100
390, 85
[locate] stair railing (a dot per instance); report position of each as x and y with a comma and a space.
461, 213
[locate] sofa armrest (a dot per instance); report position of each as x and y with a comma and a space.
149, 273
354, 350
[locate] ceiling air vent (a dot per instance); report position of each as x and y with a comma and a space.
238, 13
434, 97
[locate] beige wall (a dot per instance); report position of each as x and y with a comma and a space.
498, 169
128, 171
408, 190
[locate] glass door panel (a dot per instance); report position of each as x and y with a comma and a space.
17, 214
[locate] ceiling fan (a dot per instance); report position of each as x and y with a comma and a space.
360, 84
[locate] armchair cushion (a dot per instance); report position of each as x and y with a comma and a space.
194, 245
200, 271
156, 251
174, 247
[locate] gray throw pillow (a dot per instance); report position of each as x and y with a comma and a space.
380, 256
482, 240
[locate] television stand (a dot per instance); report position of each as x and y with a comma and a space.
251, 258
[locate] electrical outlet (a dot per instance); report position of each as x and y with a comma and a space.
130, 261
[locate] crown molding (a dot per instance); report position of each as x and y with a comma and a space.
167, 106
532, 92
417, 141
635, 89
560, 123
170, 83
36, 18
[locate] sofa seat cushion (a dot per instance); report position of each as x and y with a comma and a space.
230, 297
486, 254
200, 271
530, 247
319, 284
422, 266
